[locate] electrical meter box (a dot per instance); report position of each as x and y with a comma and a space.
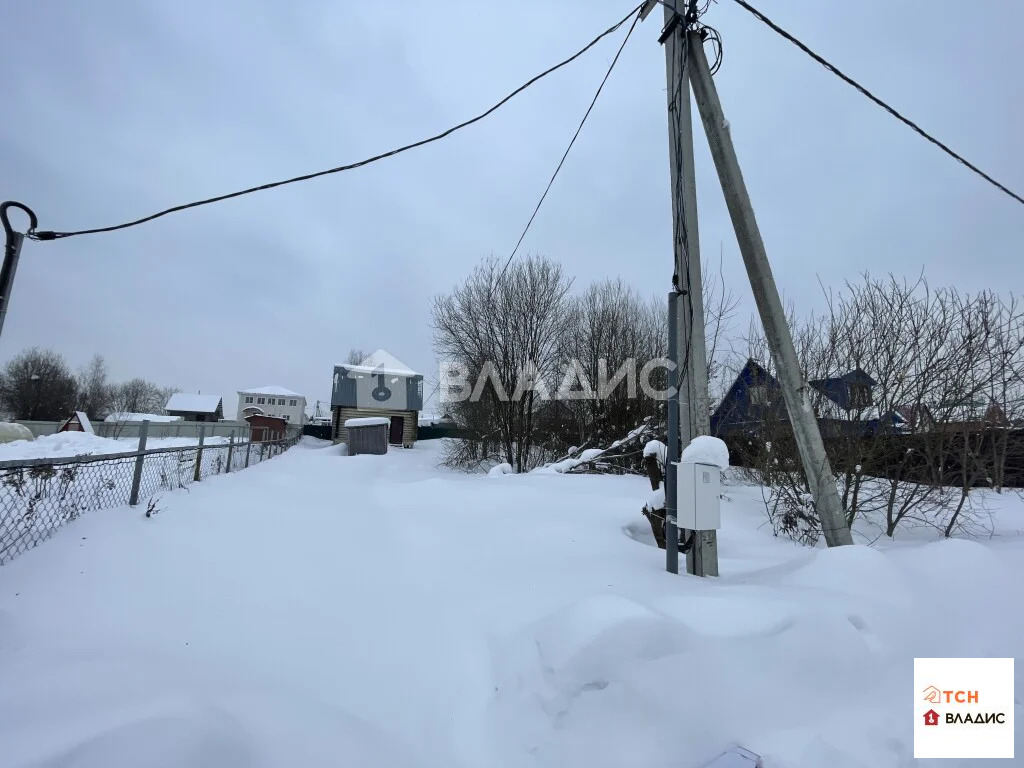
698, 497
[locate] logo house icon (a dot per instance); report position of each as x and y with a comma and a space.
931, 717
932, 695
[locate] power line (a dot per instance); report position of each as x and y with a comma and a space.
50, 235
850, 81
573, 140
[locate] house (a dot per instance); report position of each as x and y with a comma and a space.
844, 406
850, 392
754, 398
380, 385
272, 401
79, 422
195, 407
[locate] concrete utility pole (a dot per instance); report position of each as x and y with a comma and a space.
769, 305
690, 355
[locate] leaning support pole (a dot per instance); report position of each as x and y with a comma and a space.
769, 305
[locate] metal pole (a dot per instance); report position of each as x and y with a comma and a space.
671, 533
231, 449
133, 499
197, 475
12, 252
248, 450
694, 417
769, 305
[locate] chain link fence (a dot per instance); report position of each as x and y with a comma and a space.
38, 496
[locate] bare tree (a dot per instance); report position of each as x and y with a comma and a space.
94, 390
720, 306
138, 396
356, 356
38, 385
909, 449
504, 330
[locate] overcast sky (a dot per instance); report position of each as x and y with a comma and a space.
112, 110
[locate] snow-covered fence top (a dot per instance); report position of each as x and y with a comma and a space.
39, 495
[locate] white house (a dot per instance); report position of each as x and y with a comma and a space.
272, 401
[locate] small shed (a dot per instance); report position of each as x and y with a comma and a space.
368, 435
265, 428
79, 422
195, 407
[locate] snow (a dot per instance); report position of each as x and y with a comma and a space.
500, 469
83, 419
444, 619
707, 450
367, 421
277, 391
80, 443
188, 403
656, 448
116, 417
379, 362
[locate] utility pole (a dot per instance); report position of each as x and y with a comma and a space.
691, 418
766, 295
12, 252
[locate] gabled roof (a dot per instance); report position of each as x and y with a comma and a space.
380, 362
271, 390
184, 402
856, 376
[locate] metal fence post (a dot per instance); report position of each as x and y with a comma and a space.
248, 450
133, 498
231, 450
197, 476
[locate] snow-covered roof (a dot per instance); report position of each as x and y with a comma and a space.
380, 362
279, 391
83, 419
114, 417
367, 421
188, 403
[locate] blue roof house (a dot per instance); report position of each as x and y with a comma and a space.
845, 406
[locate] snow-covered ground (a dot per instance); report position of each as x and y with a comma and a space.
320, 610
78, 443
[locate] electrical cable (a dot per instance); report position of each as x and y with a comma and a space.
892, 111
572, 141
51, 235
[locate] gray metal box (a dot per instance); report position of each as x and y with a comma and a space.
698, 497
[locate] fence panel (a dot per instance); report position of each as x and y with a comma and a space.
39, 496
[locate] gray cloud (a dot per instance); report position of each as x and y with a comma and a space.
115, 110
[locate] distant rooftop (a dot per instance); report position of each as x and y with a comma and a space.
279, 391
184, 402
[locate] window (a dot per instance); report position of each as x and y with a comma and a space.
860, 395
260, 400
287, 417
248, 398
758, 394
293, 403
